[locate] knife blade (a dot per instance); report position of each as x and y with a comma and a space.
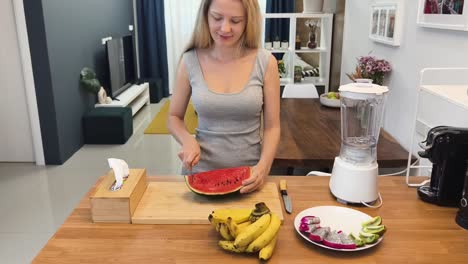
286, 199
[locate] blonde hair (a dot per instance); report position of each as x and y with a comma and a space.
201, 37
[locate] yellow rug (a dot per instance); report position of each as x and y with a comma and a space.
159, 123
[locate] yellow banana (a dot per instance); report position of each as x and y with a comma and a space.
229, 246
267, 251
252, 231
238, 215
241, 227
232, 227
265, 238
223, 230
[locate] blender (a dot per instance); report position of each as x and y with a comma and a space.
355, 170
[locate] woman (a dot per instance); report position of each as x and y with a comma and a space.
232, 84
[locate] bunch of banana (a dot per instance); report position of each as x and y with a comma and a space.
241, 234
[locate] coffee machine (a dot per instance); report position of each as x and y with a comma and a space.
447, 148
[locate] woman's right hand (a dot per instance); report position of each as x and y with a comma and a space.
190, 154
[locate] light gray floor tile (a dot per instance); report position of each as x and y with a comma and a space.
35, 200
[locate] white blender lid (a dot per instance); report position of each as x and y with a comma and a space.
364, 88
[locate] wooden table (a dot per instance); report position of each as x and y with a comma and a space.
417, 233
311, 137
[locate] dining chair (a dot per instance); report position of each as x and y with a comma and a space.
296, 90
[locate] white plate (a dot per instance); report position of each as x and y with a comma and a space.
337, 218
329, 102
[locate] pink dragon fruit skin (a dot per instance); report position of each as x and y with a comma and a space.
319, 234
310, 219
346, 242
306, 228
334, 240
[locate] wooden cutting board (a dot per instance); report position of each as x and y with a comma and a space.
174, 203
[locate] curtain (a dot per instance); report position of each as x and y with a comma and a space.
180, 16
152, 47
278, 27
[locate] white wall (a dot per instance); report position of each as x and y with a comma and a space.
420, 48
15, 133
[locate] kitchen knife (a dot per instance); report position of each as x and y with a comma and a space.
286, 199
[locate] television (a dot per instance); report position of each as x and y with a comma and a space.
120, 56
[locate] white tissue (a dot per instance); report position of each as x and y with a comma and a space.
121, 171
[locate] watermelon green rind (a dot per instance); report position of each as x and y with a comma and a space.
218, 182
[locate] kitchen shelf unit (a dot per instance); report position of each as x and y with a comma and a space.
324, 34
441, 99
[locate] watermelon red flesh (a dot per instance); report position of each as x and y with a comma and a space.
218, 182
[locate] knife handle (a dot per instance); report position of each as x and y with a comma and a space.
283, 185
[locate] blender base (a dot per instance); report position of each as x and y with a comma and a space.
341, 201
354, 184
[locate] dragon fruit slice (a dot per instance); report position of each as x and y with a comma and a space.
346, 242
310, 219
306, 228
332, 240
319, 234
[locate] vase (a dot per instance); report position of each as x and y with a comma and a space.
312, 44
276, 44
312, 6
102, 97
363, 80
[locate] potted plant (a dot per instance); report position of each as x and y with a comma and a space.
297, 74
91, 84
370, 69
281, 69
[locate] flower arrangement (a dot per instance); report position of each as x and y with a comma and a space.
369, 67
312, 24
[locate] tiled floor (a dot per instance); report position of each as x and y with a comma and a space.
35, 200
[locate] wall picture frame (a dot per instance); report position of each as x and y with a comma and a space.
443, 14
386, 22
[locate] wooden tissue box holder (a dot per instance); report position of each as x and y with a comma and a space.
118, 206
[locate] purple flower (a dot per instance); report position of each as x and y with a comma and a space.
373, 68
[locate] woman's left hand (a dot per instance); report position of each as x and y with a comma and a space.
256, 180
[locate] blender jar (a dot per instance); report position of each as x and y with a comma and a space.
361, 118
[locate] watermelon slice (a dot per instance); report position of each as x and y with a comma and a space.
218, 182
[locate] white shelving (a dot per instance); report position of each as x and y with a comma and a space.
323, 50
135, 97
441, 99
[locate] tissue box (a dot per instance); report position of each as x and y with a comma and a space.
118, 206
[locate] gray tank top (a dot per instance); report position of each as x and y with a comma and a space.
228, 124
